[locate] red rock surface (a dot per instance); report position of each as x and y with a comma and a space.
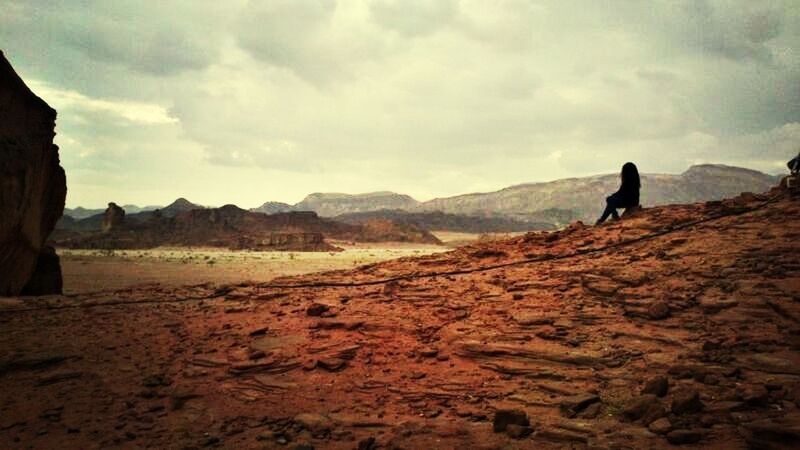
32, 183
687, 337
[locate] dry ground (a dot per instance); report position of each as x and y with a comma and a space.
690, 336
93, 270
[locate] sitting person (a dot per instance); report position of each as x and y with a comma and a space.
794, 165
627, 196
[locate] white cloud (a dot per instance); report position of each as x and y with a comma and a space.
72, 101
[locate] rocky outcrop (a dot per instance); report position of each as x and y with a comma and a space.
231, 227
113, 217
33, 185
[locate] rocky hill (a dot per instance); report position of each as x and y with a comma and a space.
586, 196
546, 205
437, 220
274, 207
329, 205
228, 226
677, 326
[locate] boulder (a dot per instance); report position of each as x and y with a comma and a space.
33, 185
505, 417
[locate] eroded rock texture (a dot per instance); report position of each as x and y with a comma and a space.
33, 185
570, 352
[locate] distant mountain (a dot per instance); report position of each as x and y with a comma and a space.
233, 227
330, 205
274, 208
585, 197
437, 220
180, 205
81, 212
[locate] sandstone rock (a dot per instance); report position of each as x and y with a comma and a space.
660, 426
686, 401
571, 406
32, 183
518, 431
331, 364
646, 408
46, 278
505, 417
562, 436
658, 386
316, 424
113, 217
428, 352
317, 309
658, 311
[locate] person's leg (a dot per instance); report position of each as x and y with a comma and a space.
608, 211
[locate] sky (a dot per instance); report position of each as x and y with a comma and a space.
252, 101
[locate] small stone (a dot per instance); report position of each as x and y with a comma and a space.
571, 406
686, 401
428, 352
591, 411
755, 395
645, 407
257, 354
331, 364
658, 311
658, 386
518, 431
317, 309
367, 444
679, 437
259, 331
505, 417
660, 426
316, 424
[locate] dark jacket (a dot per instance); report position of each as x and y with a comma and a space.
628, 195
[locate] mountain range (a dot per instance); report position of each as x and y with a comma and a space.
525, 206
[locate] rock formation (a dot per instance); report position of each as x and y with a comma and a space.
231, 227
113, 217
32, 183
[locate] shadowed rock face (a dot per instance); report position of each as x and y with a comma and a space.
33, 185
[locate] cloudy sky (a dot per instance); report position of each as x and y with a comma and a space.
247, 101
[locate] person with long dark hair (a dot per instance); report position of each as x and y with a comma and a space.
627, 196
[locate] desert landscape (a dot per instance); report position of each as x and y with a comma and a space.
622, 336
400, 225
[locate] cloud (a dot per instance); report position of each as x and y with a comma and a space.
76, 103
247, 101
